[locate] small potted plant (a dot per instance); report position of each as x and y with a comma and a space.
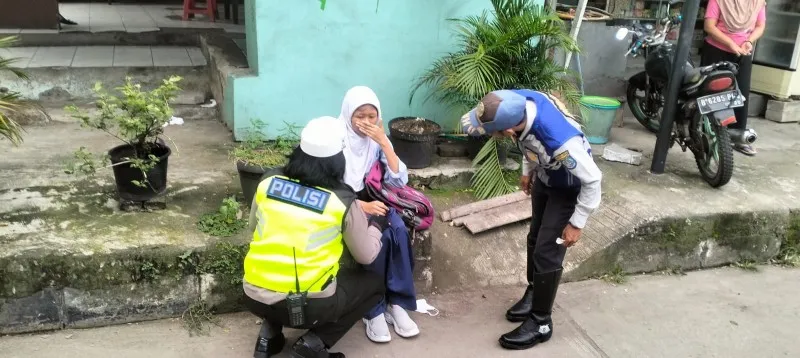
255, 156
137, 118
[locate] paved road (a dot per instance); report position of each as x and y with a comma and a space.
716, 313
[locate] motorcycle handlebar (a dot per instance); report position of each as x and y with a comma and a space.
650, 36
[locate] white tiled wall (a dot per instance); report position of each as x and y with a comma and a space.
104, 56
102, 17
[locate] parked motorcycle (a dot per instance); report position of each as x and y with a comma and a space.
706, 99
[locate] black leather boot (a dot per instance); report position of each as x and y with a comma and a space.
522, 309
270, 340
538, 328
311, 346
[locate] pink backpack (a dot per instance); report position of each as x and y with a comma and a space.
415, 208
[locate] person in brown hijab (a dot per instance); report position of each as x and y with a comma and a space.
733, 26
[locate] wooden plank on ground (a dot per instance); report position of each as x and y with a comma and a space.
482, 205
499, 216
461, 220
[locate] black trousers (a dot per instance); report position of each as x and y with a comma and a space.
330, 318
552, 209
711, 54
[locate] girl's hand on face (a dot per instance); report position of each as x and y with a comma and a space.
374, 131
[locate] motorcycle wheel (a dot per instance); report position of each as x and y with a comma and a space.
712, 144
651, 121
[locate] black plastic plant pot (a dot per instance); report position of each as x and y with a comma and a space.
414, 140
124, 175
502, 153
249, 178
474, 145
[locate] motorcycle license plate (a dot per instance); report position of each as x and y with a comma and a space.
720, 101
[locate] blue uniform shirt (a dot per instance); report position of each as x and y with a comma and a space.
554, 146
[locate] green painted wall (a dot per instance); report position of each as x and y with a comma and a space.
251, 28
306, 58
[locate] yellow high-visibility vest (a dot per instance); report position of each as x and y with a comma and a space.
296, 224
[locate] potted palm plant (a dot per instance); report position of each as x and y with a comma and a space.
137, 118
255, 155
504, 48
10, 101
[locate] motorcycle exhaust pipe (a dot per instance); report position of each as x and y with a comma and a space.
747, 136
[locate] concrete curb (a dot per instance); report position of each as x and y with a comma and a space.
692, 243
48, 113
93, 290
163, 37
71, 84
53, 292
446, 173
161, 282
50, 290
225, 60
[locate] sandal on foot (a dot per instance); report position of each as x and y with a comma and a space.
745, 149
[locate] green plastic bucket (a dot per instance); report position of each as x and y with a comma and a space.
598, 116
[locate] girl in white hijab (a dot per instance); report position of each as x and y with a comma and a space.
365, 144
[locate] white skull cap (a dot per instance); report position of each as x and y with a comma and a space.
322, 137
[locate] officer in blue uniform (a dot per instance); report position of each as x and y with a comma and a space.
565, 189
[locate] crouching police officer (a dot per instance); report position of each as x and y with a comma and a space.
565, 192
300, 220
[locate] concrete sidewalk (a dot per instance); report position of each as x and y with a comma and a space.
717, 313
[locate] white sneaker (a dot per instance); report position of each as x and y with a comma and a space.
377, 329
403, 324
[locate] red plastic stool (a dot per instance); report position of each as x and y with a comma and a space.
190, 8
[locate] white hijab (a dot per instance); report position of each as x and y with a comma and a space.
361, 152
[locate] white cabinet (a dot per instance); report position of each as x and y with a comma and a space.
777, 52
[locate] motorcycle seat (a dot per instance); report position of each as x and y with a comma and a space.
692, 75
